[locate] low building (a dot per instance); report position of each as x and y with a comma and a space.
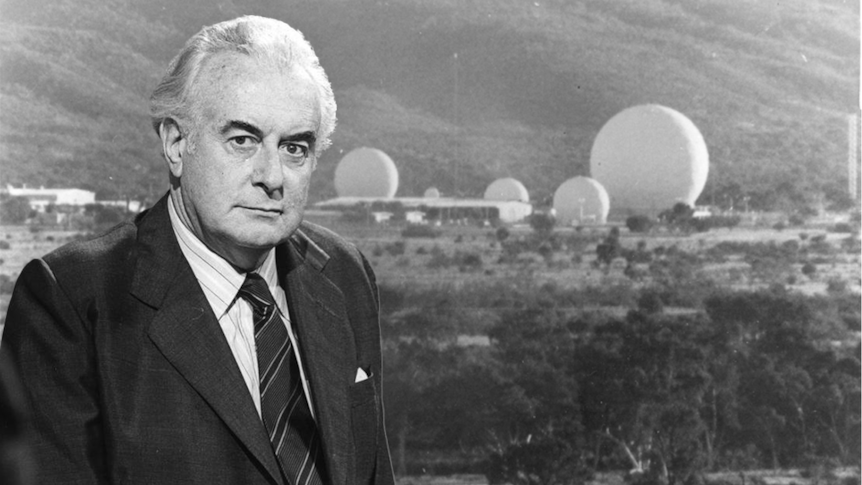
41, 198
441, 209
133, 206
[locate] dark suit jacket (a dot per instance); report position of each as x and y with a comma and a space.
130, 379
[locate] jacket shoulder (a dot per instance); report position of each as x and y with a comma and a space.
108, 250
330, 243
339, 259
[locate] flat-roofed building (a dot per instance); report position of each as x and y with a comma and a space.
41, 198
442, 208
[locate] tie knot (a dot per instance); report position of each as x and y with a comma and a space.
256, 292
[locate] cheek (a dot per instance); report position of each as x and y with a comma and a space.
297, 185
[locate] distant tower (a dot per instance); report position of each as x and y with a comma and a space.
854, 155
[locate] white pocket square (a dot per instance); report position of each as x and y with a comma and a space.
360, 375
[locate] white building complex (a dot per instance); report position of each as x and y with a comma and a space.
41, 198
422, 209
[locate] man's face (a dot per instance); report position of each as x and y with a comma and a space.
245, 167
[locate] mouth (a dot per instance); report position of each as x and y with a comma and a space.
265, 211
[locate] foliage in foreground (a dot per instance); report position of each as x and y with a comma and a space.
559, 393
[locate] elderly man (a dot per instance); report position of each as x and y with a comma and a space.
217, 338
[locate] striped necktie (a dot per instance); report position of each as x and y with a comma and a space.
285, 411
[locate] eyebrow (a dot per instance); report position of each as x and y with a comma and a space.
241, 125
307, 136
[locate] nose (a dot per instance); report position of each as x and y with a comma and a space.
267, 172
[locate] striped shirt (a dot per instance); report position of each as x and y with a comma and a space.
220, 283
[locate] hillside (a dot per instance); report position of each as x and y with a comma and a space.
769, 85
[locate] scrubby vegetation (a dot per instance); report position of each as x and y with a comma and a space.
567, 354
558, 392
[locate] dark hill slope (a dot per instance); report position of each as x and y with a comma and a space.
532, 83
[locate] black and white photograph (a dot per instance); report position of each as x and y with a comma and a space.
430, 242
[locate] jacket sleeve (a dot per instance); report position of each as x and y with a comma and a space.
51, 348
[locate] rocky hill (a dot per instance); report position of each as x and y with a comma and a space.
458, 93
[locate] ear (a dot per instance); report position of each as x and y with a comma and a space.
174, 145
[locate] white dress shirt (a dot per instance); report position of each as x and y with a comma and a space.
220, 283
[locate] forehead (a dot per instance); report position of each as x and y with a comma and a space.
237, 86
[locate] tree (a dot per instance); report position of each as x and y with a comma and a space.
502, 233
639, 223
644, 381
14, 210
542, 223
539, 438
609, 249
798, 394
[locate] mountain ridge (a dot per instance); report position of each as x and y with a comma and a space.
458, 93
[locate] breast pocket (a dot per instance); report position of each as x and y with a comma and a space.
364, 402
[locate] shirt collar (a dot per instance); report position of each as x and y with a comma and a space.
218, 278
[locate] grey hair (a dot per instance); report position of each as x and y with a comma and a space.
259, 37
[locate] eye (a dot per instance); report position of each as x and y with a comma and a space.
243, 141
296, 150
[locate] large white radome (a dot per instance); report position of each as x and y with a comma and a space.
581, 200
366, 172
507, 189
649, 158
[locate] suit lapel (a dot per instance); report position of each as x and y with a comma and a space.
187, 333
326, 342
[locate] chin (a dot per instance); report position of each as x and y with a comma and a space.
266, 238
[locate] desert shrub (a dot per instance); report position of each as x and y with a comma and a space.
502, 234
542, 223
841, 227
821, 246
14, 210
620, 293
649, 301
790, 246
7, 284
796, 220
809, 269
468, 261
377, 251
419, 231
5, 245
545, 250
639, 223
421, 250
396, 248
439, 259
851, 244
779, 226
836, 286
636, 256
